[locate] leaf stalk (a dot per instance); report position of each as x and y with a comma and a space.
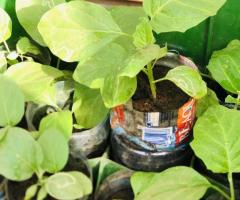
151, 80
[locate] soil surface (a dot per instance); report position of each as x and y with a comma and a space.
169, 96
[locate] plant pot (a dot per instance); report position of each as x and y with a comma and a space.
151, 133
91, 142
16, 190
135, 158
116, 186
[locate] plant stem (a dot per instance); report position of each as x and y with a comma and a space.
238, 101
223, 193
151, 80
230, 180
6, 46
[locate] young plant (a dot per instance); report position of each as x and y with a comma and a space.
34, 79
25, 49
22, 156
113, 46
224, 67
216, 142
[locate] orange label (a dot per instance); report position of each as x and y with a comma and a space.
186, 116
118, 116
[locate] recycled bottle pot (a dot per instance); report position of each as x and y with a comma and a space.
116, 186
154, 141
16, 190
92, 142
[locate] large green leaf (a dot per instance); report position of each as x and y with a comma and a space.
12, 102
89, 109
143, 35
68, 185
102, 72
189, 80
114, 71
29, 13
62, 121
76, 30
210, 99
132, 14
34, 80
216, 139
55, 150
224, 66
182, 183
20, 154
179, 15
5, 26
140, 58
136, 181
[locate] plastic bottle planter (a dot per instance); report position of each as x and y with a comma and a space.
160, 139
116, 186
91, 142
16, 190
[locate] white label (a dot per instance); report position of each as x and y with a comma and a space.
152, 119
160, 136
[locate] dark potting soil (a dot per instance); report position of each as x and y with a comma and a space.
169, 96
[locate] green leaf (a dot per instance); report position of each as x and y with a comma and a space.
182, 183
12, 102
5, 26
179, 15
106, 167
114, 71
20, 155
88, 107
24, 46
230, 99
102, 72
55, 150
31, 192
224, 66
216, 139
34, 79
189, 80
132, 14
140, 58
143, 35
137, 185
42, 194
61, 121
210, 99
77, 30
68, 185
35, 9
